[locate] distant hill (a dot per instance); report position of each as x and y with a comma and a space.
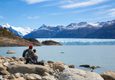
18, 31
76, 30
7, 38
6, 33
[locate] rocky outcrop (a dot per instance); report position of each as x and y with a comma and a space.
77, 74
15, 69
5, 41
50, 42
3, 70
28, 68
109, 75
34, 41
7, 38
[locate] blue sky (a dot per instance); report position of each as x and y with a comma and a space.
34, 13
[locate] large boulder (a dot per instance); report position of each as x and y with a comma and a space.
58, 66
48, 78
33, 77
28, 68
77, 74
3, 70
109, 75
2, 67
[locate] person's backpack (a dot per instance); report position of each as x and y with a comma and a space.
24, 53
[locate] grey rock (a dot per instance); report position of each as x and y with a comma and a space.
6, 64
20, 78
71, 66
50, 42
1, 67
58, 66
28, 77
28, 68
109, 75
11, 77
48, 78
3, 70
33, 77
77, 74
17, 75
1, 78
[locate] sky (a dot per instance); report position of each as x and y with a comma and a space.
34, 13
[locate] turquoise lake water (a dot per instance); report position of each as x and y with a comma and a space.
99, 52
102, 55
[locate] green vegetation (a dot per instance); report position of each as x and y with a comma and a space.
9, 39
5, 33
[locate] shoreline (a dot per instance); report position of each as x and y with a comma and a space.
12, 68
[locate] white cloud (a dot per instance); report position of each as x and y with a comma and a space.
68, 1
97, 9
55, 14
107, 12
33, 17
82, 4
34, 1
93, 9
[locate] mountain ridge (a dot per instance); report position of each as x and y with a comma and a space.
7, 38
18, 31
72, 30
75, 30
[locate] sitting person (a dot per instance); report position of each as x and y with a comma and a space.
34, 57
31, 56
27, 54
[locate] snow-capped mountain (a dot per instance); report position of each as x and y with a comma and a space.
106, 31
18, 31
6, 25
44, 31
73, 30
23, 30
70, 26
107, 23
51, 28
78, 25
76, 30
44, 27
9, 27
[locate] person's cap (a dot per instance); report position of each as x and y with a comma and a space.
30, 46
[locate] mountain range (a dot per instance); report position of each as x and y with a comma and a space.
73, 30
76, 30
